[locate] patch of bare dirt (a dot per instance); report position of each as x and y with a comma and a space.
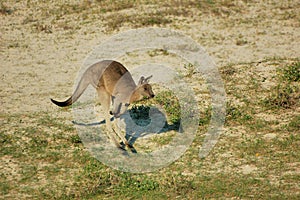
36, 65
42, 51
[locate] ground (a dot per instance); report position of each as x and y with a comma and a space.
255, 45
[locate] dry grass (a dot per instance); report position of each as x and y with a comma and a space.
42, 156
257, 156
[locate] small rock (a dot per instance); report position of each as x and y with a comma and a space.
248, 169
270, 136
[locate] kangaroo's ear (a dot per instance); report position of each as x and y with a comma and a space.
141, 81
144, 80
147, 79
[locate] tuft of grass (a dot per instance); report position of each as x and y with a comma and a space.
142, 183
4, 9
205, 116
286, 94
75, 139
293, 125
43, 28
237, 114
291, 73
156, 52
108, 6
170, 104
140, 114
228, 71
190, 70
116, 20
283, 95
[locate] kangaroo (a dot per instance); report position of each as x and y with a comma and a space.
114, 85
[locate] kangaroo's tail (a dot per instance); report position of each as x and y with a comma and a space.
83, 83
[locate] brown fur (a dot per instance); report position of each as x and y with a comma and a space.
114, 84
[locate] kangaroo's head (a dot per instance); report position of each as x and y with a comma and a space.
143, 90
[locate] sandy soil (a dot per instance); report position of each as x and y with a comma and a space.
36, 65
40, 59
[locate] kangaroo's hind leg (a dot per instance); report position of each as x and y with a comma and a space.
105, 100
119, 132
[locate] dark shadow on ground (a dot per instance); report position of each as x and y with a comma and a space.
141, 121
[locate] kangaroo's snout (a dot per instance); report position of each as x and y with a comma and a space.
149, 96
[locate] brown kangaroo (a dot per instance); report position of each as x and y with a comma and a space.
114, 84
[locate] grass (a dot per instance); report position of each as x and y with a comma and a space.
170, 104
291, 73
140, 114
188, 71
45, 159
63, 16
286, 93
42, 156
4, 9
283, 96
294, 124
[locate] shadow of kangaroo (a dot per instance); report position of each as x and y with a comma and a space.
114, 85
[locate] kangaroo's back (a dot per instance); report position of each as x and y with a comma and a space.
116, 77
108, 75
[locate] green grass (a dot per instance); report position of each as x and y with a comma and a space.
294, 124
170, 104
45, 158
42, 156
286, 93
283, 95
140, 114
237, 114
166, 99
290, 73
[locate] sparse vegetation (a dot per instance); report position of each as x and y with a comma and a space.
156, 52
170, 104
189, 70
257, 155
283, 96
286, 94
291, 73
155, 13
140, 114
5, 10
50, 141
